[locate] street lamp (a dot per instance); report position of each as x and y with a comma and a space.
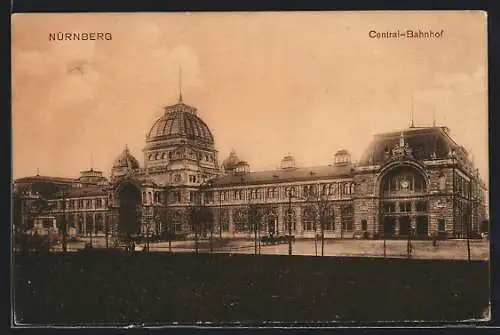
205, 216
63, 194
289, 217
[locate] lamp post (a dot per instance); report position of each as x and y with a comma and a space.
410, 233
220, 215
289, 216
203, 188
64, 225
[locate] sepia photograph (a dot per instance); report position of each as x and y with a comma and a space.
238, 168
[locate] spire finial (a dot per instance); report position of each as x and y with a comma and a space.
433, 117
402, 139
37, 171
91, 161
180, 84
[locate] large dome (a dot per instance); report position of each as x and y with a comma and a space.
180, 121
126, 160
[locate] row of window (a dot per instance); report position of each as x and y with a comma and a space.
82, 204
404, 207
333, 189
179, 155
310, 218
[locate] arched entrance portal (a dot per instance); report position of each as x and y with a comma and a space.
404, 203
129, 211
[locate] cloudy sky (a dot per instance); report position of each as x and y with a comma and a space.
267, 84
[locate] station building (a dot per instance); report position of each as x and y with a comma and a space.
415, 179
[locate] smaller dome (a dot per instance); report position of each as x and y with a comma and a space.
126, 160
288, 162
231, 161
241, 167
342, 158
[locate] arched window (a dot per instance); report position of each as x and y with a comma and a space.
306, 191
324, 190
163, 155
328, 219
290, 218
253, 194
403, 180
290, 191
272, 193
176, 222
309, 219
347, 189
352, 188
260, 193
240, 221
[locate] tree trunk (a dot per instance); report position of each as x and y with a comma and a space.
106, 233
255, 237
322, 241
196, 238
211, 237
64, 235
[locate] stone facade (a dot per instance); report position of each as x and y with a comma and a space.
417, 180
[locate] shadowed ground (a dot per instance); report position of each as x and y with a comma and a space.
105, 287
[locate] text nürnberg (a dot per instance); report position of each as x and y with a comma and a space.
408, 34
87, 36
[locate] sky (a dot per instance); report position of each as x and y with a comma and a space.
267, 84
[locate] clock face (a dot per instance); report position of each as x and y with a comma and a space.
405, 184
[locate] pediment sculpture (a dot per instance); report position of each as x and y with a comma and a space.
402, 150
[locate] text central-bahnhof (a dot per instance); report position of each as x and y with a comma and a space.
417, 180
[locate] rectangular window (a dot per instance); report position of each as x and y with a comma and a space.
389, 207
364, 225
441, 226
347, 216
405, 206
193, 196
176, 196
422, 206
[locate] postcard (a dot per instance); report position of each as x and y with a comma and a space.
242, 168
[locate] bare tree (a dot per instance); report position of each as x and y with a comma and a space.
255, 213
323, 208
193, 213
198, 216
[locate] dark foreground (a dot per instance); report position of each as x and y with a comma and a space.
117, 288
